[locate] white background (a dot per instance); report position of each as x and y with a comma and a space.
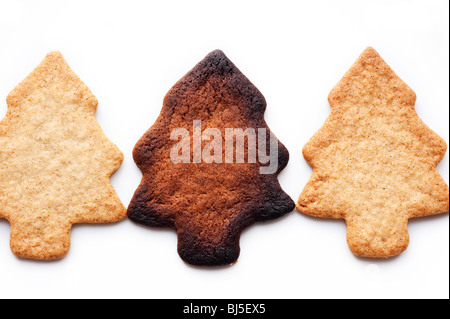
130, 53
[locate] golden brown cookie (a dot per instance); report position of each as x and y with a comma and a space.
55, 162
374, 161
194, 179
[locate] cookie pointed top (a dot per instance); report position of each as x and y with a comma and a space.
216, 62
222, 77
371, 76
51, 77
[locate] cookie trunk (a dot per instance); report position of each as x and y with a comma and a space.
198, 251
38, 243
376, 241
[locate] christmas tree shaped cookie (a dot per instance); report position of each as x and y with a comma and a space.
210, 164
55, 162
374, 161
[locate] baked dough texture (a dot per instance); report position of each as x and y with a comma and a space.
209, 204
374, 161
55, 162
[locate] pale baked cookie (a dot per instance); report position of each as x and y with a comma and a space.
55, 162
374, 161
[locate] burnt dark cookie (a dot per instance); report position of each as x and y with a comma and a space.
210, 196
